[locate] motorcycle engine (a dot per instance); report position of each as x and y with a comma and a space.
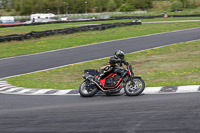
110, 81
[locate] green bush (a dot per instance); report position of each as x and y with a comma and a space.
126, 8
191, 3
176, 6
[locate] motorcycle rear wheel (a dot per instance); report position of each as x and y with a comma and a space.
88, 89
135, 90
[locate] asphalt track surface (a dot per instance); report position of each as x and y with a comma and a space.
100, 114
37, 62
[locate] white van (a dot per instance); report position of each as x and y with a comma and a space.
7, 19
42, 17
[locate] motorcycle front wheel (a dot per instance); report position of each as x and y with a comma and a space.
88, 89
136, 89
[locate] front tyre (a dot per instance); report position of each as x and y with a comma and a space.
136, 89
88, 89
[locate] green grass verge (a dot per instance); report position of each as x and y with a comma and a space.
27, 29
15, 48
172, 65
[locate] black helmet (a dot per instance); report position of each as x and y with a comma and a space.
119, 54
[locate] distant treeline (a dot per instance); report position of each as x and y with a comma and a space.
27, 7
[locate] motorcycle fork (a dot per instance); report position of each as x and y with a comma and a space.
131, 79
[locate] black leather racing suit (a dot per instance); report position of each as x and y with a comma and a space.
113, 64
114, 61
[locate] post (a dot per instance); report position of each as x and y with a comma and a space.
64, 7
86, 7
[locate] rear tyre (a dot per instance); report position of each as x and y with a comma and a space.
88, 89
135, 90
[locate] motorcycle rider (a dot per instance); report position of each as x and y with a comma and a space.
115, 64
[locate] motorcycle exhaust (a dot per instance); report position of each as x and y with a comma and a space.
99, 86
117, 89
111, 90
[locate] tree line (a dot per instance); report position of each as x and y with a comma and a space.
27, 7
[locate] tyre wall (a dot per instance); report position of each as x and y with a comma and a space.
38, 34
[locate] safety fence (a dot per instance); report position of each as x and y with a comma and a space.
151, 17
113, 18
53, 22
38, 34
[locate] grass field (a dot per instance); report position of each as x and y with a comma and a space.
172, 65
27, 29
15, 48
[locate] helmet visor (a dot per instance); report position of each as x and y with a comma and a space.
121, 56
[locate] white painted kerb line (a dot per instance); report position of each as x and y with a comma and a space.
189, 88
151, 90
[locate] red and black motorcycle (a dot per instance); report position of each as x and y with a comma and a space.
112, 82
